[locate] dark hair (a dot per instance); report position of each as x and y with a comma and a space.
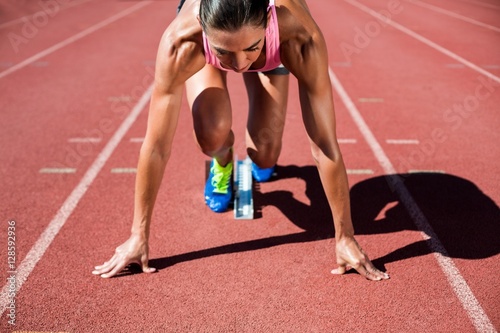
230, 15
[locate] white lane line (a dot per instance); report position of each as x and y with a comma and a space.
67, 208
423, 40
465, 295
359, 171
425, 171
349, 141
57, 170
137, 140
402, 142
453, 14
370, 100
84, 140
124, 170
49, 12
73, 38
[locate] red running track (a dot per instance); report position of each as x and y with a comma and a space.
421, 105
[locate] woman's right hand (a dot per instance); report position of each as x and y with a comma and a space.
134, 250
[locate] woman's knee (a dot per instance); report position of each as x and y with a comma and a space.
212, 137
212, 120
212, 130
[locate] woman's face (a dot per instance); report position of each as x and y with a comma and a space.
237, 50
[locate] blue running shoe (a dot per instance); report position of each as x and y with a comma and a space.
219, 187
261, 175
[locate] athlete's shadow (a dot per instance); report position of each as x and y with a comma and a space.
465, 220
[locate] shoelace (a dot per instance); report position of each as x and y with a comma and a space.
220, 179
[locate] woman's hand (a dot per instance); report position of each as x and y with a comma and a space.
350, 255
134, 250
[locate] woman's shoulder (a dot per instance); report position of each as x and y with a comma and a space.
181, 46
301, 41
295, 21
184, 27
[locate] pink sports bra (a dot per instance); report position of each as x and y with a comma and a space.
272, 46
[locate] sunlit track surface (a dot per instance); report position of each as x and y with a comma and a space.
424, 83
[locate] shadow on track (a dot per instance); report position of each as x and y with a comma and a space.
466, 221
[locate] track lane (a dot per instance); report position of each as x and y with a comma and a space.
454, 14
37, 117
208, 262
442, 42
32, 11
474, 310
45, 26
440, 152
44, 115
480, 10
15, 41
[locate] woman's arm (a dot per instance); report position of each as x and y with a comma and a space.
178, 58
305, 55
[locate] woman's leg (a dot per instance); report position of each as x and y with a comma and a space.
209, 101
211, 108
267, 95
